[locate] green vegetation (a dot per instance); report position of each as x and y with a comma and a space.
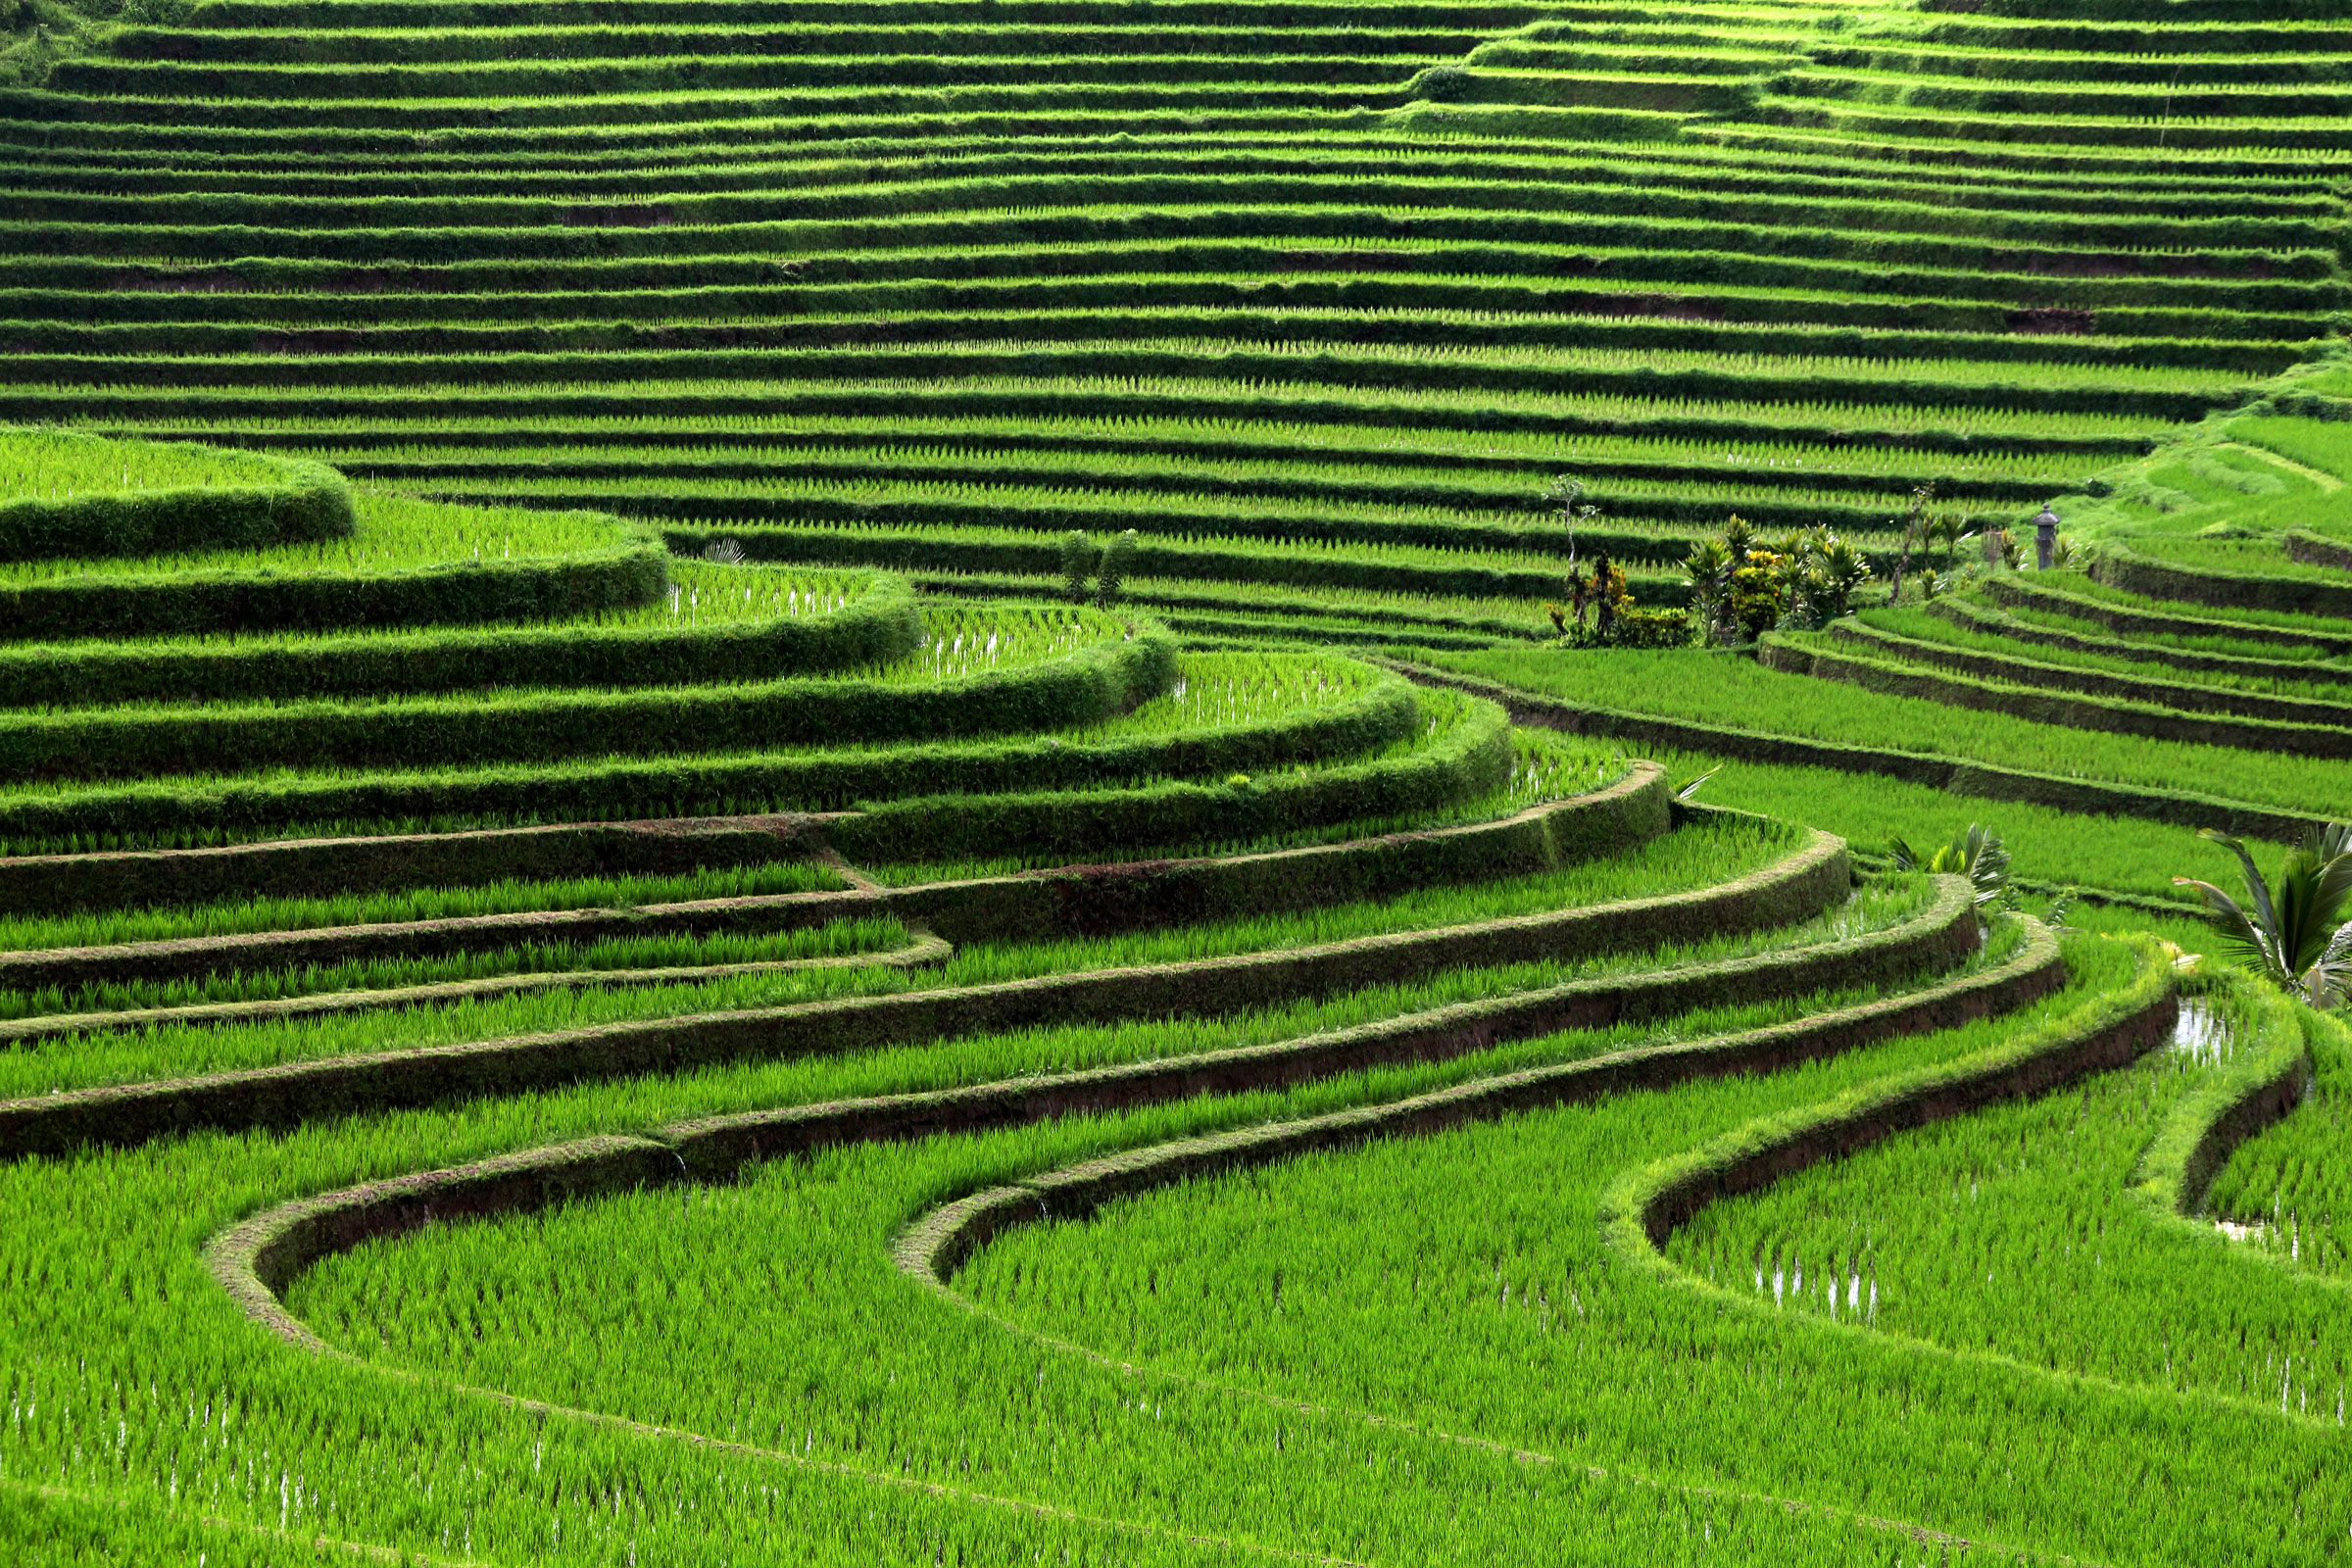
998, 782
81, 495
2005, 1272
2292, 927
2282, 1188
1305, 298
1746, 707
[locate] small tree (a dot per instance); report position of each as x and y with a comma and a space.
1609, 596
1118, 563
1566, 497
1078, 559
1739, 536
1708, 569
1759, 592
1951, 532
1821, 573
1834, 572
1914, 533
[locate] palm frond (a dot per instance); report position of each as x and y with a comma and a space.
2265, 910
1690, 790
2238, 928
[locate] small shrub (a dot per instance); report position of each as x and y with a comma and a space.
1651, 628
1440, 84
1078, 559
1119, 561
1708, 570
1829, 571
1953, 531
1759, 592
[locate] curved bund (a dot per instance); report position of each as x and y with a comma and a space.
1958, 775
258, 1259
263, 500
1796, 888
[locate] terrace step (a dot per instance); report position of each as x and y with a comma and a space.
638, 189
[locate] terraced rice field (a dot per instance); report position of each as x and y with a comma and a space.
602, 964
1317, 299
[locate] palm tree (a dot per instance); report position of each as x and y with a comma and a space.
2294, 929
1954, 532
1975, 853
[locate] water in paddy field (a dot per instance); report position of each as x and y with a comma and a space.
2206, 1037
2203, 1034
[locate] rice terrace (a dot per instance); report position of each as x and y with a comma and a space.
1164, 784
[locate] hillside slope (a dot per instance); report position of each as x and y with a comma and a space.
1319, 299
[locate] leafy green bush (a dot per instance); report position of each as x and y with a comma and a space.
1635, 627
1119, 561
1078, 561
